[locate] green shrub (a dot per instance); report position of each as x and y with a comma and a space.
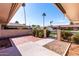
47, 33
34, 32
40, 33
70, 28
75, 39
66, 35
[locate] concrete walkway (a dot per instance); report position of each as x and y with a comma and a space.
34, 48
44, 41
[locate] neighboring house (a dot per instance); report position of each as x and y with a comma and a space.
74, 27
14, 26
50, 28
17, 26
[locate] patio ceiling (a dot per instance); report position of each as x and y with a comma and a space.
71, 10
7, 11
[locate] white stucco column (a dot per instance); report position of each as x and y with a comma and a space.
58, 34
44, 33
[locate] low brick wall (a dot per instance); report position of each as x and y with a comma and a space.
14, 33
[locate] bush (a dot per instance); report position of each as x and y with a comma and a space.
47, 33
75, 39
70, 28
40, 33
66, 35
35, 32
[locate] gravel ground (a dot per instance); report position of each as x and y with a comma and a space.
57, 46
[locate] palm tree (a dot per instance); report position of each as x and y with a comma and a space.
16, 22
38, 26
33, 26
43, 19
24, 12
71, 23
51, 23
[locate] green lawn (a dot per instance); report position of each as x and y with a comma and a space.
53, 34
72, 31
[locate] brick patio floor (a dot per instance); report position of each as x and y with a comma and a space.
24, 39
74, 50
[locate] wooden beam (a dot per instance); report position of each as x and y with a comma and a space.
60, 7
14, 8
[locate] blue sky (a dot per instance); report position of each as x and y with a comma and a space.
34, 15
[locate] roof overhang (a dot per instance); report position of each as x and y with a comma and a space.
71, 10
7, 11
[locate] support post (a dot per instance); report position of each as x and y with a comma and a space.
45, 30
0, 26
44, 33
58, 34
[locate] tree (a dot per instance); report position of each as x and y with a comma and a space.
38, 26
33, 25
51, 23
44, 14
16, 22
71, 23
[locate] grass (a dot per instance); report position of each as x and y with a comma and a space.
53, 34
72, 31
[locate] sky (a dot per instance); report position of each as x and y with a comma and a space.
34, 16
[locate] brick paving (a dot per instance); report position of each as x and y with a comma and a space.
74, 50
24, 39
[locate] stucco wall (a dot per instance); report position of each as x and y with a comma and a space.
13, 33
